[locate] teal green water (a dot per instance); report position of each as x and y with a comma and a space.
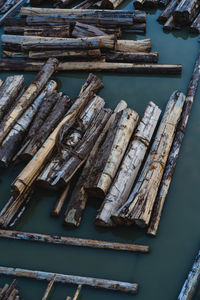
160, 273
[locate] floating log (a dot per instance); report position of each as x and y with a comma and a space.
167, 13
3, 291
163, 3
1, 82
170, 25
186, 11
9, 290
85, 4
78, 200
9, 91
14, 54
12, 141
29, 95
132, 57
5, 8
70, 241
129, 168
69, 54
173, 156
151, 3
124, 287
192, 281
19, 65
49, 287
57, 209
111, 4
84, 30
133, 46
111, 153
138, 207
77, 292
7, 5
195, 27
33, 168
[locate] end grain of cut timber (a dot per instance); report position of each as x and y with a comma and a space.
151, 3
133, 46
186, 11
167, 13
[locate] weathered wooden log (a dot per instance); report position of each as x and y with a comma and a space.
85, 30
34, 167
85, 4
163, 3
133, 46
49, 287
111, 4
69, 54
9, 91
78, 200
192, 281
124, 287
1, 82
70, 241
12, 141
10, 65
170, 25
129, 168
132, 57
173, 156
29, 95
111, 153
2, 3
14, 54
68, 298
138, 207
13, 20
13, 294
7, 5
3, 291
151, 3
138, 4
10, 289
77, 293
186, 11
9, 8
195, 27
62, 3
166, 14
59, 204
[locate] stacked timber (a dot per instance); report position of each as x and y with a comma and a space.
9, 291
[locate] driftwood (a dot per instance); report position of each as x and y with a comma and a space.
167, 13
195, 27
124, 287
186, 11
173, 156
84, 30
49, 287
133, 46
111, 153
132, 57
192, 281
139, 205
66, 54
78, 200
77, 293
129, 168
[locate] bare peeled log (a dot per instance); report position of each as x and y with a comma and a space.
133, 46
138, 207
124, 287
111, 153
129, 168
186, 11
49, 287
65, 54
176, 146
59, 204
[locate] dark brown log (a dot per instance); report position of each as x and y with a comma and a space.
85, 30
163, 3
111, 4
17, 21
132, 57
176, 146
66, 54
170, 25
166, 14
186, 11
151, 3
9, 9
195, 27
85, 4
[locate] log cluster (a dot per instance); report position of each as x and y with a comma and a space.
9, 291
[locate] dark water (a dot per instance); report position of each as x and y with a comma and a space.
160, 273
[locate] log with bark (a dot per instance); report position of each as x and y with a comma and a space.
138, 207
35, 166
124, 287
84, 30
7, 5
133, 46
173, 156
111, 153
195, 27
78, 200
8, 290
132, 57
186, 11
28, 97
49, 287
170, 25
130, 166
65, 54
163, 3
167, 13
10, 8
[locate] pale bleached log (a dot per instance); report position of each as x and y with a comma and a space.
176, 146
1, 82
186, 11
129, 168
9, 91
77, 293
59, 204
133, 46
49, 287
33, 168
124, 287
85, 4
3, 291
29, 95
139, 205
78, 200
68, 54
192, 281
9, 289
111, 153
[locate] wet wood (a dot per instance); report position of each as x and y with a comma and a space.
49, 287
192, 281
85, 4
124, 287
130, 166
84, 30
77, 293
111, 4
170, 25
176, 146
167, 13
57, 209
139, 205
34, 167
163, 3
186, 11
70, 241
111, 153
133, 46
195, 27
67, 54
132, 57
151, 3
78, 200
29, 95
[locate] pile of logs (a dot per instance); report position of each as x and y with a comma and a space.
9, 291
177, 13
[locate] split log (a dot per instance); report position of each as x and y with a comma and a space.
12, 141
139, 205
186, 11
34, 167
173, 156
19, 65
130, 166
167, 13
111, 153
111, 4
84, 30
77, 292
192, 281
133, 46
9, 8
78, 200
195, 27
124, 287
57, 209
29, 95
9, 91
69, 54
49, 287
132, 57
70, 241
